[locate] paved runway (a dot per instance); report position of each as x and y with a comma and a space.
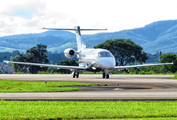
131, 87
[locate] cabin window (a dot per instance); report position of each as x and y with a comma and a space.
104, 54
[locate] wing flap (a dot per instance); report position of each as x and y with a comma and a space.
49, 65
137, 66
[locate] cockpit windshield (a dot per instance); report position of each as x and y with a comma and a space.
104, 54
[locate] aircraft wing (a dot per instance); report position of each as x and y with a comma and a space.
50, 65
137, 66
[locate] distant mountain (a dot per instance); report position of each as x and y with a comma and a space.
157, 36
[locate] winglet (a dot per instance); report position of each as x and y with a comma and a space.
6, 61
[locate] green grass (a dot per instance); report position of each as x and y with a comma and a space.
175, 77
30, 86
88, 110
19, 73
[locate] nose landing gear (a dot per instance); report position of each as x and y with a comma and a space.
105, 75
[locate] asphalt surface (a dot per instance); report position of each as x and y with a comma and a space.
131, 87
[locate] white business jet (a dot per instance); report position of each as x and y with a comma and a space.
89, 59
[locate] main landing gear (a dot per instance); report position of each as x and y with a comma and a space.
75, 74
105, 75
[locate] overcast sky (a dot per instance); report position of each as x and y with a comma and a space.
29, 16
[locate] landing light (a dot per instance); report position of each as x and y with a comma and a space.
93, 68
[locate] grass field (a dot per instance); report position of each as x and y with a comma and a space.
88, 110
30, 86
175, 77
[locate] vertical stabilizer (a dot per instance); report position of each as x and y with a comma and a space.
77, 29
78, 38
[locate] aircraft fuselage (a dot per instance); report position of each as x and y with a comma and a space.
99, 58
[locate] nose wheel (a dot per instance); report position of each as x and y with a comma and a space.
105, 75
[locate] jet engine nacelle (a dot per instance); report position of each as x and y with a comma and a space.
69, 53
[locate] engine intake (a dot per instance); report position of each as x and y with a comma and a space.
69, 53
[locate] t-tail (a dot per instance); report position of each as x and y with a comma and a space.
77, 29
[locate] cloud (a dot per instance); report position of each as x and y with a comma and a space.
29, 16
2, 24
20, 17
25, 9
32, 23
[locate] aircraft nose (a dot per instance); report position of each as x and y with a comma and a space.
107, 62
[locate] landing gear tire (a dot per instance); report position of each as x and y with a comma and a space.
104, 75
77, 75
107, 76
74, 75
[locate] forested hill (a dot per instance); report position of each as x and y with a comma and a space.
157, 36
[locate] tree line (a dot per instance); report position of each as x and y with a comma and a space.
53, 57
126, 52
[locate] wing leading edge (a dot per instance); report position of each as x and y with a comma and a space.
85, 68
137, 66
50, 65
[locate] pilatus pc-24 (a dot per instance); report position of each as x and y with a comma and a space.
89, 59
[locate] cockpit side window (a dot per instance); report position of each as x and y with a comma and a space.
104, 54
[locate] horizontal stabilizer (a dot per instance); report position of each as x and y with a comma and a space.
75, 29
